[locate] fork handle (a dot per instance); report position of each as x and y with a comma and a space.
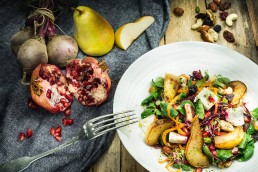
22, 163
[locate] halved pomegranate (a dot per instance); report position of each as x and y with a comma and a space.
88, 80
49, 88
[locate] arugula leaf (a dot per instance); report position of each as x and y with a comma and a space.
224, 154
199, 109
220, 81
203, 80
158, 83
153, 96
164, 110
247, 152
254, 113
250, 130
146, 113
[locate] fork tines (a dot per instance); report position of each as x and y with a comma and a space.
105, 123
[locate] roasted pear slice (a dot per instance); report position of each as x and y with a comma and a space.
239, 91
193, 151
155, 129
171, 86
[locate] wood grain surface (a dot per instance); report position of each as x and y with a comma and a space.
117, 159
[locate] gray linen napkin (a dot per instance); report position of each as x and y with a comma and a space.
16, 117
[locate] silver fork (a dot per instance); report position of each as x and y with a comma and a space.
90, 130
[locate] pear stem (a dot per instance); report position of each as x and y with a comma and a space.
75, 9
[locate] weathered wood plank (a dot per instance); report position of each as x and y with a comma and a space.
110, 161
252, 6
179, 28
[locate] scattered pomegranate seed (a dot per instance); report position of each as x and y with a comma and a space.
58, 129
22, 136
235, 150
32, 104
246, 119
52, 131
212, 148
58, 138
214, 153
67, 121
198, 170
29, 133
67, 112
56, 133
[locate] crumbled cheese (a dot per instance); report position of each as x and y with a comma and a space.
236, 116
204, 97
177, 138
145, 123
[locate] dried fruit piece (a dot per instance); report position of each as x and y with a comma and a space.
217, 28
201, 16
223, 15
229, 36
213, 6
178, 11
212, 16
224, 6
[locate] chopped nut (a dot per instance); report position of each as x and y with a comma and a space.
178, 11
214, 34
203, 27
206, 36
212, 16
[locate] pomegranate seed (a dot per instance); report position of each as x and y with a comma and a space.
198, 170
246, 119
48, 94
63, 100
29, 133
32, 104
58, 138
58, 134
64, 121
66, 105
235, 150
52, 131
58, 129
214, 153
212, 148
211, 99
67, 112
22, 136
69, 121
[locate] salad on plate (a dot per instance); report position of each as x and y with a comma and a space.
198, 121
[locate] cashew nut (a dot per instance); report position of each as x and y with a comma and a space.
198, 23
230, 18
214, 34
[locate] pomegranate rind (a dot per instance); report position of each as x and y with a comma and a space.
42, 86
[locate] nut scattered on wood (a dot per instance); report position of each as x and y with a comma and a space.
198, 23
203, 27
178, 11
206, 36
218, 2
229, 36
213, 6
230, 18
213, 34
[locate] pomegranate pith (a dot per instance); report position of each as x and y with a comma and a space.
49, 88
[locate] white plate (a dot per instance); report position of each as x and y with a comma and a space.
178, 58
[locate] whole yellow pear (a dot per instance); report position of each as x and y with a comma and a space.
93, 33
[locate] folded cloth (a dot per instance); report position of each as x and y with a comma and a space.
16, 117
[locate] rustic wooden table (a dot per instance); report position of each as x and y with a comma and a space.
245, 29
